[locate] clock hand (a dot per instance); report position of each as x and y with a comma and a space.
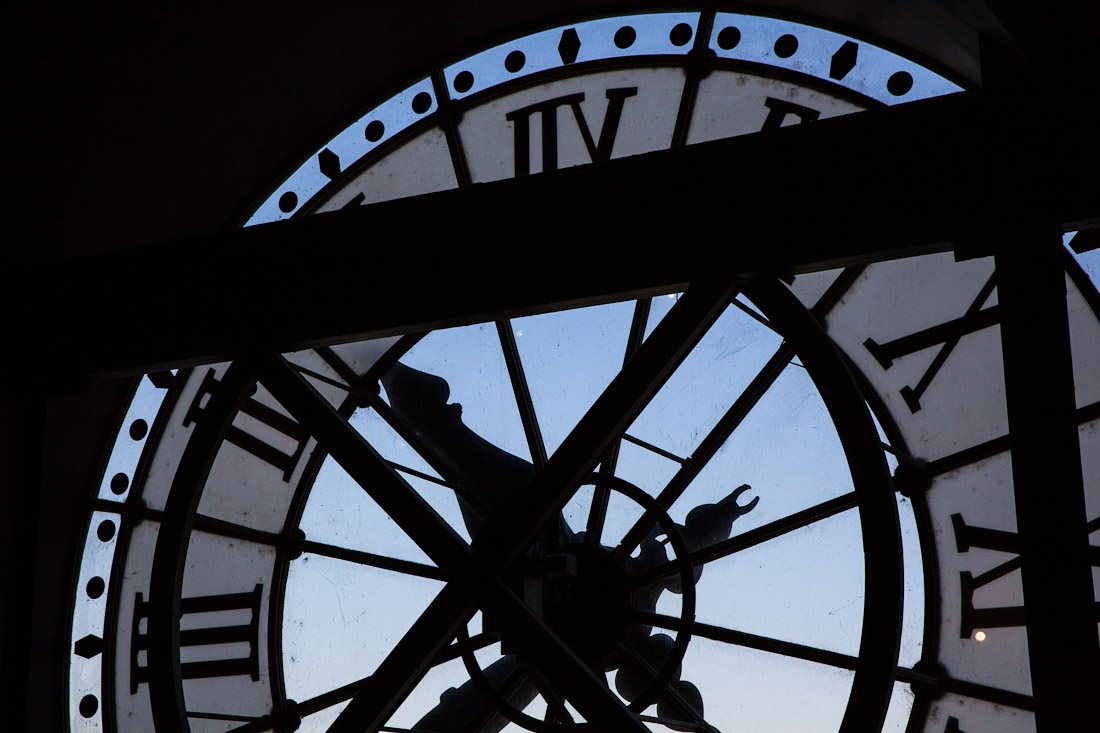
490, 472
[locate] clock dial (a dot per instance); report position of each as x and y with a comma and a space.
725, 539
465, 482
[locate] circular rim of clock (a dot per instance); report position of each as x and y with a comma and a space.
872, 684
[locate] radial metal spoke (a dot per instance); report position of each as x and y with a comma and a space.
765, 532
369, 559
737, 412
522, 391
745, 639
597, 513
656, 449
751, 313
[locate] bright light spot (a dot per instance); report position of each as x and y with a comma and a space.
979, 636
519, 333
671, 295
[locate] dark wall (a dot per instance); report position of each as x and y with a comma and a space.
156, 124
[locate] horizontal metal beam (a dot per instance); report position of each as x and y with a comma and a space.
881, 184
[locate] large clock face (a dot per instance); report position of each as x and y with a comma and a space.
765, 505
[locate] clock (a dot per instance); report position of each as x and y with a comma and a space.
678, 511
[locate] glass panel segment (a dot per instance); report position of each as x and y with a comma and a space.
707, 382
260, 462
339, 512
901, 707
912, 630
226, 594
476, 384
750, 690
925, 332
340, 620
86, 640
1084, 332
805, 586
140, 416
786, 450
570, 357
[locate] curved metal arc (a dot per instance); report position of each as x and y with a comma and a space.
880, 639
169, 556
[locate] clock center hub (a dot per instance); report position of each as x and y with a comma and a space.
586, 600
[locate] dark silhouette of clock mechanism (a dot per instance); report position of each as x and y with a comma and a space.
592, 596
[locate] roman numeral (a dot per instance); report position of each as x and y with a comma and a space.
226, 604
780, 109
281, 458
968, 536
598, 149
953, 726
946, 335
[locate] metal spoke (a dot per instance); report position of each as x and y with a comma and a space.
369, 559
752, 537
597, 513
654, 449
356, 456
523, 393
745, 639
751, 313
555, 703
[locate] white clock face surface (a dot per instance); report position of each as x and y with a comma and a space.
807, 514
